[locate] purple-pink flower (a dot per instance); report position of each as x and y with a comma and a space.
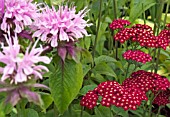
64, 24
19, 67
18, 14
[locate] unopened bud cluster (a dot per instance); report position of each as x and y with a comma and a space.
137, 55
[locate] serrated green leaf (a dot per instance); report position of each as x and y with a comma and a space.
65, 83
104, 58
105, 69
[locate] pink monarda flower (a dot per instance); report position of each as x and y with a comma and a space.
20, 67
53, 26
17, 14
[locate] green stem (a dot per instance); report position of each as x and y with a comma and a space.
159, 50
127, 70
150, 106
81, 114
153, 60
97, 32
157, 60
144, 109
20, 109
159, 109
115, 17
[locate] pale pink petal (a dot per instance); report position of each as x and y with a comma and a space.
54, 42
37, 33
63, 36
18, 29
28, 70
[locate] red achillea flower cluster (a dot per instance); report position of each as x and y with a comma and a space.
113, 93
143, 34
89, 100
146, 81
163, 38
138, 33
124, 35
137, 55
119, 24
162, 98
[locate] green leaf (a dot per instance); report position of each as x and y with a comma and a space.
31, 113
86, 69
120, 111
168, 105
87, 42
97, 78
55, 2
104, 58
47, 99
86, 56
136, 113
138, 6
75, 111
2, 114
103, 111
48, 2
86, 88
6, 108
65, 83
105, 69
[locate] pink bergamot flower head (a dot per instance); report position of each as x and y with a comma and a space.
64, 24
19, 67
18, 14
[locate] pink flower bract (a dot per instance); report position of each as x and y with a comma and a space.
62, 25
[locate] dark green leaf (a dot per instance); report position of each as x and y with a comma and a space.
138, 6
103, 111
120, 111
86, 88
31, 113
47, 99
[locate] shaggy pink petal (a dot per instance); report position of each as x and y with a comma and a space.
20, 13
41, 67
37, 74
64, 24
20, 66
28, 70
